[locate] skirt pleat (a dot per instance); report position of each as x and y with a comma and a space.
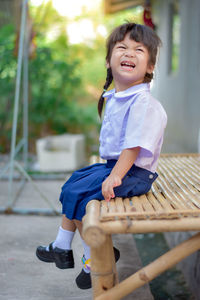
85, 185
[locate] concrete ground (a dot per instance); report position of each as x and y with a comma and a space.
23, 276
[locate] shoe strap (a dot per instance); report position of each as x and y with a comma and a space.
86, 263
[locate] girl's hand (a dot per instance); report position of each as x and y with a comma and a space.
111, 181
124, 163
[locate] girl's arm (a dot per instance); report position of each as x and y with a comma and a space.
124, 163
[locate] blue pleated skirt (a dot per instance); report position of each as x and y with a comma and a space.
85, 185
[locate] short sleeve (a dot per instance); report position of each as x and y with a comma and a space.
145, 126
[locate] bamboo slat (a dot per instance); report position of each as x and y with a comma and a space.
191, 178
137, 206
127, 205
120, 205
175, 194
182, 165
112, 206
183, 176
158, 193
158, 208
186, 187
104, 207
145, 203
170, 194
190, 175
173, 187
177, 187
192, 169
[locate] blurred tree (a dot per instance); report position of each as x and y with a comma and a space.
65, 79
54, 84
8, 66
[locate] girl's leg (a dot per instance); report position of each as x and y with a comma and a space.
60, 251
79, 225
86, 248
68, 224
84, 280
65, 234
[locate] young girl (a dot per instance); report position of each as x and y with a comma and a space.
130, 140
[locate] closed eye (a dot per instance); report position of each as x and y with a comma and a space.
121, 47
140, 50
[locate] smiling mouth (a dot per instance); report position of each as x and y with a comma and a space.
128, 65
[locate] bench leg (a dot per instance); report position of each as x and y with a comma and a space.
152, 270
103, 267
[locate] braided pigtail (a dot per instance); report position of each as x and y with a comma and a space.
148, 77
109, 79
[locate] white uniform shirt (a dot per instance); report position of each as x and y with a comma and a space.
133, 118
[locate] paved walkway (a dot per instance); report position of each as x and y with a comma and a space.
23, 276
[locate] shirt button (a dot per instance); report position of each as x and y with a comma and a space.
150, 176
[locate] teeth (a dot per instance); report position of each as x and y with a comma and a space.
129, 65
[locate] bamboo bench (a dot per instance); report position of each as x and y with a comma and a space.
173, 204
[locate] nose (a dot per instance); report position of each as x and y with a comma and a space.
130, 53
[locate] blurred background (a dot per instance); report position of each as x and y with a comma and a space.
66, 67
66, 46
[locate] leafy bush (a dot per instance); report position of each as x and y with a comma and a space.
8, 66
53, 99
65, 81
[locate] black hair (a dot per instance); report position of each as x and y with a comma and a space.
138, 33
109, 79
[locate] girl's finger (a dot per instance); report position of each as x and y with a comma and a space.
111, 192
107, 197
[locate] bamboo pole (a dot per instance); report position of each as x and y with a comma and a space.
147, 226
152, 270
92, 233
103, 268
151, 214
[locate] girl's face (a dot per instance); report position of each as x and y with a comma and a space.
129, 63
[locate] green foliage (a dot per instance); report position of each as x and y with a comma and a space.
7, 83
65, 80
52, 84
55, 86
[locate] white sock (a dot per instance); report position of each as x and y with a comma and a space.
63, 240
86, 252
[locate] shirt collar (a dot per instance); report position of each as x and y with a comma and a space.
129, 92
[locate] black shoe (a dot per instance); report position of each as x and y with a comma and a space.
63, 258
83, 280
116, 254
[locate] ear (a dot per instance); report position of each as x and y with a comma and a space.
150, 69
107, 65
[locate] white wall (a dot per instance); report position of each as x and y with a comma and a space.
179, 93
180, 96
